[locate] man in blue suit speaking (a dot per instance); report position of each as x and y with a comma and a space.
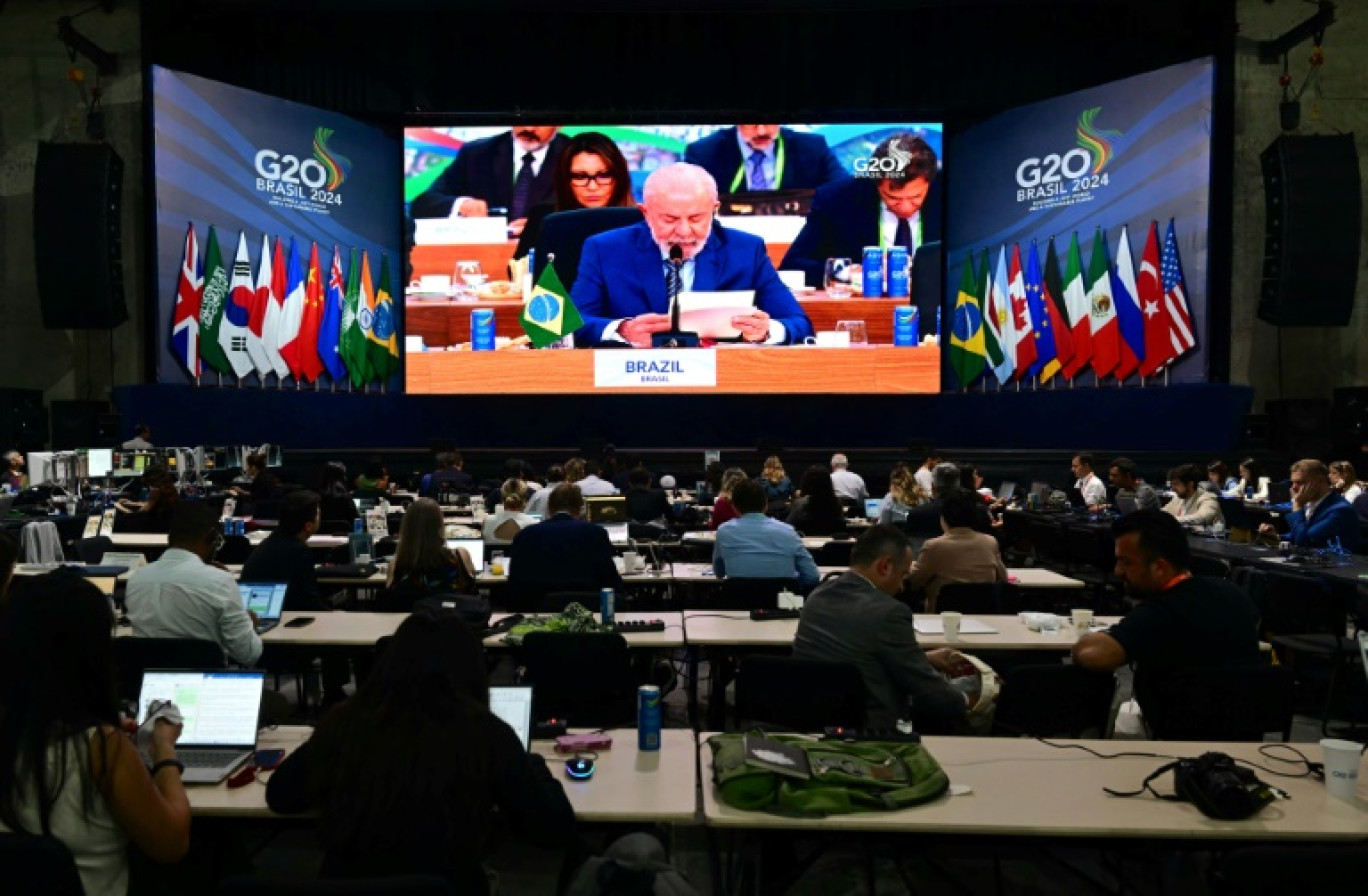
627, 277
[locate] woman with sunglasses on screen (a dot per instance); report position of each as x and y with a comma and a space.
590, 173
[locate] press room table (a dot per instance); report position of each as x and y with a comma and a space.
1024, 788
1350, 570
720, 628
159, 540
628, 785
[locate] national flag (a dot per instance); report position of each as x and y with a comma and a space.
1128, 315
275, 311
999, 311
384, 338
306, 346
1175, 298
232, 332
1106, 332
353, 340
1076, 301
256, 314
1053, 287
185, 320
967, 352
365, 313
1022, 324
212, 299
1046, 364
330, 329
1149, 290
549, 314
992, 326
292, 313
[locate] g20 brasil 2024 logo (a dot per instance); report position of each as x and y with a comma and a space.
1078, 170
316, 179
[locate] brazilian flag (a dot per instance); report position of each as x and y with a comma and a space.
968, 351
549, 314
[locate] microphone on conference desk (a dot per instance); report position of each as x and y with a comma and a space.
674, 337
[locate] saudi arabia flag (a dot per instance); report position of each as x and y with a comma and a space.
548, 314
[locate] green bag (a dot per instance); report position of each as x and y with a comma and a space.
846, 777
575, 618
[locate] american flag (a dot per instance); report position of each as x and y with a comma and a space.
1175, 297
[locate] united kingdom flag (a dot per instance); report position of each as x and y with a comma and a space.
185, 321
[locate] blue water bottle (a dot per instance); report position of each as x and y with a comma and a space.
648, 718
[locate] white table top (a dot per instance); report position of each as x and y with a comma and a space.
1032, 577
158, 540
628, 785
1023, 787
719, 628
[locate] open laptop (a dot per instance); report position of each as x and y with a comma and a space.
221, 708
606, 509
1007, 490
872, 507
266, 600
514, 706
1279, 493
474, 547
617, 532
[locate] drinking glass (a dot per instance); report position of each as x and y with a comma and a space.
836, 279
471, 276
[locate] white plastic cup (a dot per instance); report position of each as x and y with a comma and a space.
1341, 758
950, 624
631, 561
1049, 624
1082, 620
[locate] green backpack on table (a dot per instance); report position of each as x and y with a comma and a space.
846, 777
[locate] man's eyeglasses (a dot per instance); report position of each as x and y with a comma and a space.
581, 179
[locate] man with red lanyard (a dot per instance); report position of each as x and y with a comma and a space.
1182, 621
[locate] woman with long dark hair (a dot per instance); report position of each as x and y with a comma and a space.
414, 774
67, 770
816, 511
423, 565
591, 172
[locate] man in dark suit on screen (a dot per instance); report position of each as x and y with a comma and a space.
628, 277
561, 553
514, 171
750, 157
895, 201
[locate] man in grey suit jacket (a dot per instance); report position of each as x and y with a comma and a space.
857, 619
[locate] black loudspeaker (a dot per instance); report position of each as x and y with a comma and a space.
23, 420
1300, 427
1311, 232
76, 424
77, 248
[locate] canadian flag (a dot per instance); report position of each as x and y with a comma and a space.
1022, 324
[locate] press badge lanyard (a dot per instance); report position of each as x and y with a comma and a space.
1176, 580
778, 169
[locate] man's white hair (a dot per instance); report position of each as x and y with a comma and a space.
839, 460
677, 178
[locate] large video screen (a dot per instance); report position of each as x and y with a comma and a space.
1078, 247
278, 242
795, 258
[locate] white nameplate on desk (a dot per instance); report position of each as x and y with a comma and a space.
655, 367
461, 231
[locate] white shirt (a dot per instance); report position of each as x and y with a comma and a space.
1094, 492
888, 228
492, 523
593, 487
537, 503
137, 443
181, 596
849, 485
923, 477
766, 164
1352, 492
538, 157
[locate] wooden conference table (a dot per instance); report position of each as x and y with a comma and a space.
628, 785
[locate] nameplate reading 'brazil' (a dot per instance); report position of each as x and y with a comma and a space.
652, 368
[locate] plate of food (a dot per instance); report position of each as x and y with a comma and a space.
499, 290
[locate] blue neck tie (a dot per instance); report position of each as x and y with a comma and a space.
674, 283
522, 188
758, 181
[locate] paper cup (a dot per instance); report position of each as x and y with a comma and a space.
1341, 758
950, 624
631, 561
1082, 620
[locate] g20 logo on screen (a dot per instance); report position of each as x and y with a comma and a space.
891, 165
1073, 173
311, 180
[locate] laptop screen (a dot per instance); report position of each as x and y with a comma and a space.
220, 707
617, 532
514, 706
872, 506
474, 547
605, 509
1006, 490
266, 599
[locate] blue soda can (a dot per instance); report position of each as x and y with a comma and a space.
357, 525
227, 525
648, 718
906, 325
899, 272
482, 330
606, 605
872, 272
240, 526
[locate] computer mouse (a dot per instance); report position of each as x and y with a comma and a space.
579, 769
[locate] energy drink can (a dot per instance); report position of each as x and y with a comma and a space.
906, 325
606, 606
872, 272
482, 330
899, 272
648, 718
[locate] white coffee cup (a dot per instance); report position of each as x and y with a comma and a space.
434, 283
631, 560
833, 339
1082, 620
1341, 758
950, 624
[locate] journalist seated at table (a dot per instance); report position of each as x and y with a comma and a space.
629, 278
1320, 516
646, 504
563, 552
961, 554
1191, 505
858, 619
1182, 621
754, 546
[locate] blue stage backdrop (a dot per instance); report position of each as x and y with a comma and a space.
298, 288
1129, 161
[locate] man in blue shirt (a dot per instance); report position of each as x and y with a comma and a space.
754, 546
1320, 516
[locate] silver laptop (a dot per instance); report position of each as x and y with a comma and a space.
872, 507
514, 706
474, 547
221, 708
266, 600
617, 532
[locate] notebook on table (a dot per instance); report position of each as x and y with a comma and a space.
221, 709
266, 600
932, 625
514, 706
